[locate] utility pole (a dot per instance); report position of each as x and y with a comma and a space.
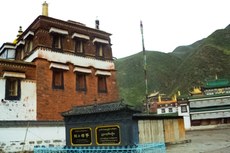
145, 68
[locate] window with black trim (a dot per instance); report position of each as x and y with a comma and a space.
58, 79
21, 53
13, 89
162, 110
81, 81
29, 45
57, 41
99, 50
184, 109
79, 46
102, 87
170, 110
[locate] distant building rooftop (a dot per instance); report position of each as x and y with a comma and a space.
217, 83
208, 96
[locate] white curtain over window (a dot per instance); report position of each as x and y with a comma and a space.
59, 66
83, 70
100, 72
78, 35
60, 31
99, 40
28, 33
14, 74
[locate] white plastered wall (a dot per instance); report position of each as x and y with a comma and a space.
186, 116
16, 139
23, 109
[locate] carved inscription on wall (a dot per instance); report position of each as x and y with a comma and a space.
81, 136
108, 135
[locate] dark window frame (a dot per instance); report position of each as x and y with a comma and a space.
104, 88
21, 53
78, 41
170, 109
28, 45
54, 85
78, 84
184, 109
56, 38
100, 48
8, 96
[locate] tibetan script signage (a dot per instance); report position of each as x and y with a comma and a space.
81, 136
108, 135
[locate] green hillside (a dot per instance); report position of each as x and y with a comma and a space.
185, 67
184, 51
130, 74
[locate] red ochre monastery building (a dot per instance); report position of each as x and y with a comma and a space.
54, 65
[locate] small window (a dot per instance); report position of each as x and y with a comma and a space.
58, 79
81, 81
102, 88
162, 110
170, 110
13, 89
99, 50
29, 45
21, 54
184, 109
57, 41
79, 47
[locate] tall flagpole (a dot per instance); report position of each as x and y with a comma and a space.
145, 68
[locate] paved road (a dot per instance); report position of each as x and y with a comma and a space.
204, 141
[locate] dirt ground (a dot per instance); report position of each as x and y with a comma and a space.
204, 141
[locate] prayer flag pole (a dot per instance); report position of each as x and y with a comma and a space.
145, 68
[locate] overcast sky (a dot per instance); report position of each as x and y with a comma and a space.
167, 23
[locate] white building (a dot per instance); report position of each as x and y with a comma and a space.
183, 110
208, 106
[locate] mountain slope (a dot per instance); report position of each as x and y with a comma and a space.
184, 51
131, 79
211, 58
185, 67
